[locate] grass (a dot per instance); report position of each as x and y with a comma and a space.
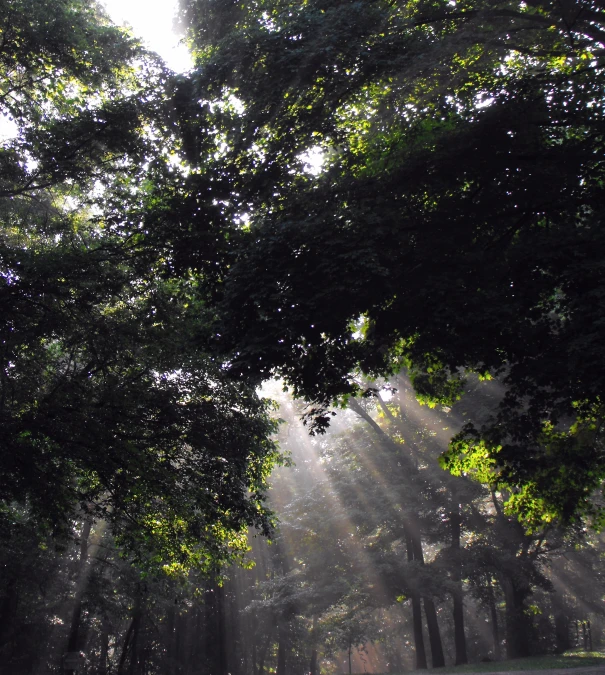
574, 659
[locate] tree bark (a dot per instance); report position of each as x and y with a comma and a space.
281, 650
313, 665
222, 642
7, 610
313, 670
421, 663
437, 657
135, 640
350, 658
495, 628
125, 648
131, 639
74, 641
254, 661
518, 628
459, 636
104, 652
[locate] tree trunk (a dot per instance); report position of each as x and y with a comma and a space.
125, 648
237, 650
518, 628
74, 641
421, 663
254, 661
104, 645
281, 650
222, 642
313, 665
131, 639
459, 636
495, 628
437, 657
171, 649
313, 670
415, 547
394, 449
7, 610
350, 658
135, 642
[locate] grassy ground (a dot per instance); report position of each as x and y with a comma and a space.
575, 659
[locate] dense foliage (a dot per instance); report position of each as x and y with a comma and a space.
456, 225
340, 191
109, 404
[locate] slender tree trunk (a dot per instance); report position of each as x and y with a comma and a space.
459, 636
234, 663
125, 648
413, 544
254, 661
170, 640
313, 665
104, 652
131, 639
281, 650
350, 658
421, 663
209, 627
74, 642
413, 537
222, 638
7, 610
135, 650
518, 629
495, 628
387, 442
437, 657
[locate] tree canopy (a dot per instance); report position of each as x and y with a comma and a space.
455, 226
110, 407
167, 245
401, 199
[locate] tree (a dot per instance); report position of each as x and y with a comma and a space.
456, 226
109, 403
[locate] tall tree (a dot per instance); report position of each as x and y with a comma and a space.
456, 225
108, 399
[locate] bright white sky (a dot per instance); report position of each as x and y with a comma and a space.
151, 20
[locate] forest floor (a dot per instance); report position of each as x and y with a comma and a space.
582, 663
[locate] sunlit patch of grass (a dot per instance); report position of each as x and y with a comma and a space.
571, 659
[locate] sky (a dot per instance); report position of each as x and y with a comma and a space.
151, 20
